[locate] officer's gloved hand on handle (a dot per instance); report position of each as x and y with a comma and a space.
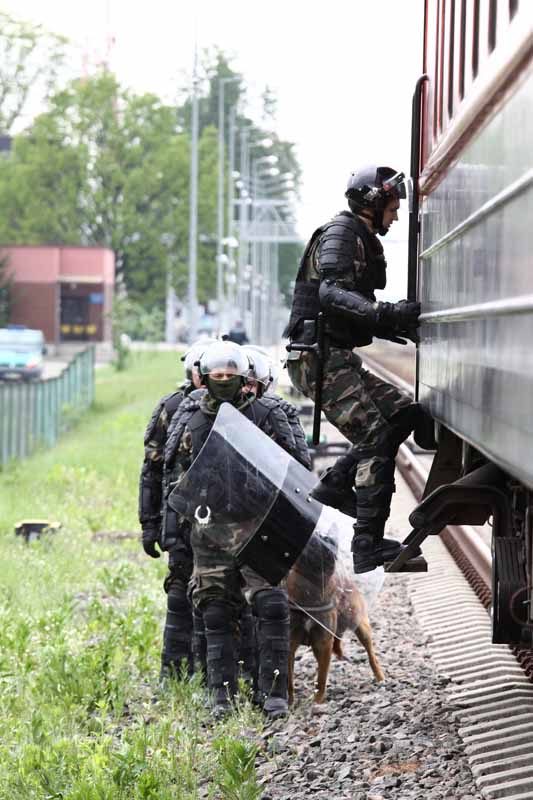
150, 537
401, 316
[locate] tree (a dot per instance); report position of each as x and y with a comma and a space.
30, 61
104, 166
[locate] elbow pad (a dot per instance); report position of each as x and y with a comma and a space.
354, 307
150, 494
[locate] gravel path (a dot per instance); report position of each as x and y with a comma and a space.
370, 741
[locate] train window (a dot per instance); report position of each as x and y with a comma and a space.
475, 42
493, 14
441, 63
436, 91
451, 57
462, 49
513, 7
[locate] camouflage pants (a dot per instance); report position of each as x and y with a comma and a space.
217, 576
365, 409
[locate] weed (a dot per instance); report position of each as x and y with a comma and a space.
236, 778
81, 617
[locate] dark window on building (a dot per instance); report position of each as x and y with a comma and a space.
513, 7
462, 50
451, 58
475, 42
493, 17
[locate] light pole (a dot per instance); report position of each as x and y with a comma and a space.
272, 226
260, 260
220, 193
192, 296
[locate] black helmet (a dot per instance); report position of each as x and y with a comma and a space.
369, 189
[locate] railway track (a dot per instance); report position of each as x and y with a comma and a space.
491, 685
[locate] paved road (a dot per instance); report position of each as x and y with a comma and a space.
53, 367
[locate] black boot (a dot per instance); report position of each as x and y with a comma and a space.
221, 656
272, 610
370, 549
248, 647
335, 487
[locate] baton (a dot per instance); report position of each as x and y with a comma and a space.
318, 348
320, 330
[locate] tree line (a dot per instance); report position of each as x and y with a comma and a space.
103, 165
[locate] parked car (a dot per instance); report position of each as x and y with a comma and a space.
21, 353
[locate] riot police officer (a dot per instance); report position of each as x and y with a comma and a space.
178, 624
341, 268
262, 381
218, 581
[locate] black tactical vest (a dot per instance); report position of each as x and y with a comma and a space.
306, 304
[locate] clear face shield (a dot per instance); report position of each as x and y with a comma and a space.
224, 357
395, 185
247, 496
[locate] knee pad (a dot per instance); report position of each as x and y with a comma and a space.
217, 616
271, 604
177, 601
374, 471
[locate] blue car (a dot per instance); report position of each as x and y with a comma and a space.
21, 353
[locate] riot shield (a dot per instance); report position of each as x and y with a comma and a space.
252, 499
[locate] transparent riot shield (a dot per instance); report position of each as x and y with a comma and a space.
251, 498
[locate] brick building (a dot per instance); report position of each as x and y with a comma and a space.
67, 292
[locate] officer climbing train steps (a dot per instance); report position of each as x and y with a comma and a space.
342, 266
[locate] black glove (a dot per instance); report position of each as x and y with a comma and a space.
400, 317
150, 537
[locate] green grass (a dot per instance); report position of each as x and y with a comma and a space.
81, 616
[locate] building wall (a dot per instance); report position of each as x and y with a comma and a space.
36, 305
41, 275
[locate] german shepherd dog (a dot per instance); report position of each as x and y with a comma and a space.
324, 603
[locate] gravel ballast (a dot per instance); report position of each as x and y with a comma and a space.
397, 739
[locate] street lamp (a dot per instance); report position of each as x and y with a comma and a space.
220, 191
192, 296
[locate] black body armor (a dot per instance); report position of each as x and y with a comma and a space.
344, 264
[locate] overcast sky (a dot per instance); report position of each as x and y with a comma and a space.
343, 72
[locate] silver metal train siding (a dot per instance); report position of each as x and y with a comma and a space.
475, 283
471, 266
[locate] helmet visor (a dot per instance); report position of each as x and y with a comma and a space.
395, 185
224, 358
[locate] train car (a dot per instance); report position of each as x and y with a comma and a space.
471, 267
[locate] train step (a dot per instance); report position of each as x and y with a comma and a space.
417, 564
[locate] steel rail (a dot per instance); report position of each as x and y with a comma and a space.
471, 554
